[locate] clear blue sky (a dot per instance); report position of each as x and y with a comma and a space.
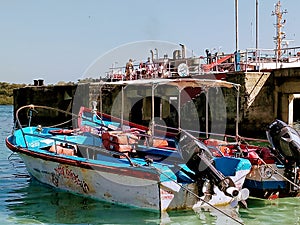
58, 40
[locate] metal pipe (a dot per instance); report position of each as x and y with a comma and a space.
182, 51
179, 109
206, 113
237, 112
152, 101
236, 26
122, 108
152, 55
256, 38
101, 101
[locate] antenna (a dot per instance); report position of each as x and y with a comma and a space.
280, 35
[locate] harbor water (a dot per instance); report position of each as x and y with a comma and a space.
25, 201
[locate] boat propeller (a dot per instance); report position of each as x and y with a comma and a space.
241, 197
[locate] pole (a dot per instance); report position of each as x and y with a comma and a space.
122, 109
101, 100
236, 26
237, 112
256, 38
206, 113
152, 105
179, 109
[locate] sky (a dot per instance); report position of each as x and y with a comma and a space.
63, 40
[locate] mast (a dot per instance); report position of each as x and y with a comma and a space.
279, 24
236, 26
256, 25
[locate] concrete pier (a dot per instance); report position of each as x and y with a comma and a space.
58, 96
264, 96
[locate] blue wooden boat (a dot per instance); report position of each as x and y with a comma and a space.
159, 178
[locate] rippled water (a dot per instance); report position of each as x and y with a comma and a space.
23, 201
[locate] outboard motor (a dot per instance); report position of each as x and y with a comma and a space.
200, 160
285, 141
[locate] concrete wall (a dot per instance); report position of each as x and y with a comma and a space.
53, 96
287, 83
266, 96
256, 101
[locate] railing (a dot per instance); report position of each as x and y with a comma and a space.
249, 60
193, 66
257, 59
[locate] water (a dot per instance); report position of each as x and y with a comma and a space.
24, 201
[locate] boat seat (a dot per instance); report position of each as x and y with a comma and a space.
159, 143
63, 149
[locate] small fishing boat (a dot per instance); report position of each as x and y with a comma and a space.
119, 167
275, 169
272, 176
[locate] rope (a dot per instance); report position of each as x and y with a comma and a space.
60, 124
45, 107
283, 177
197, 196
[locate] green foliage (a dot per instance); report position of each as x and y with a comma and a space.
6, 92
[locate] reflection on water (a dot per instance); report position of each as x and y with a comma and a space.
39, 204
279, 211
46, 205
226, 216
26, 201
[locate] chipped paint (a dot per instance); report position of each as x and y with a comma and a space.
67, 173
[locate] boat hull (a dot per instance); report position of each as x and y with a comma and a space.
263, 182
102, 185
147, 188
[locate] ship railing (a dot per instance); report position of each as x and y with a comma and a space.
195, 66
256, 59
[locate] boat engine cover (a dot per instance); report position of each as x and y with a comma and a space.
285, 140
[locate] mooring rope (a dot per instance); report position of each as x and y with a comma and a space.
283, 177
45, 107
197, 196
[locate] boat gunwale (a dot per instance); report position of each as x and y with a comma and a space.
139, 172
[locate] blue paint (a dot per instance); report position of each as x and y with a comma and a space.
229, 165
265, 185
